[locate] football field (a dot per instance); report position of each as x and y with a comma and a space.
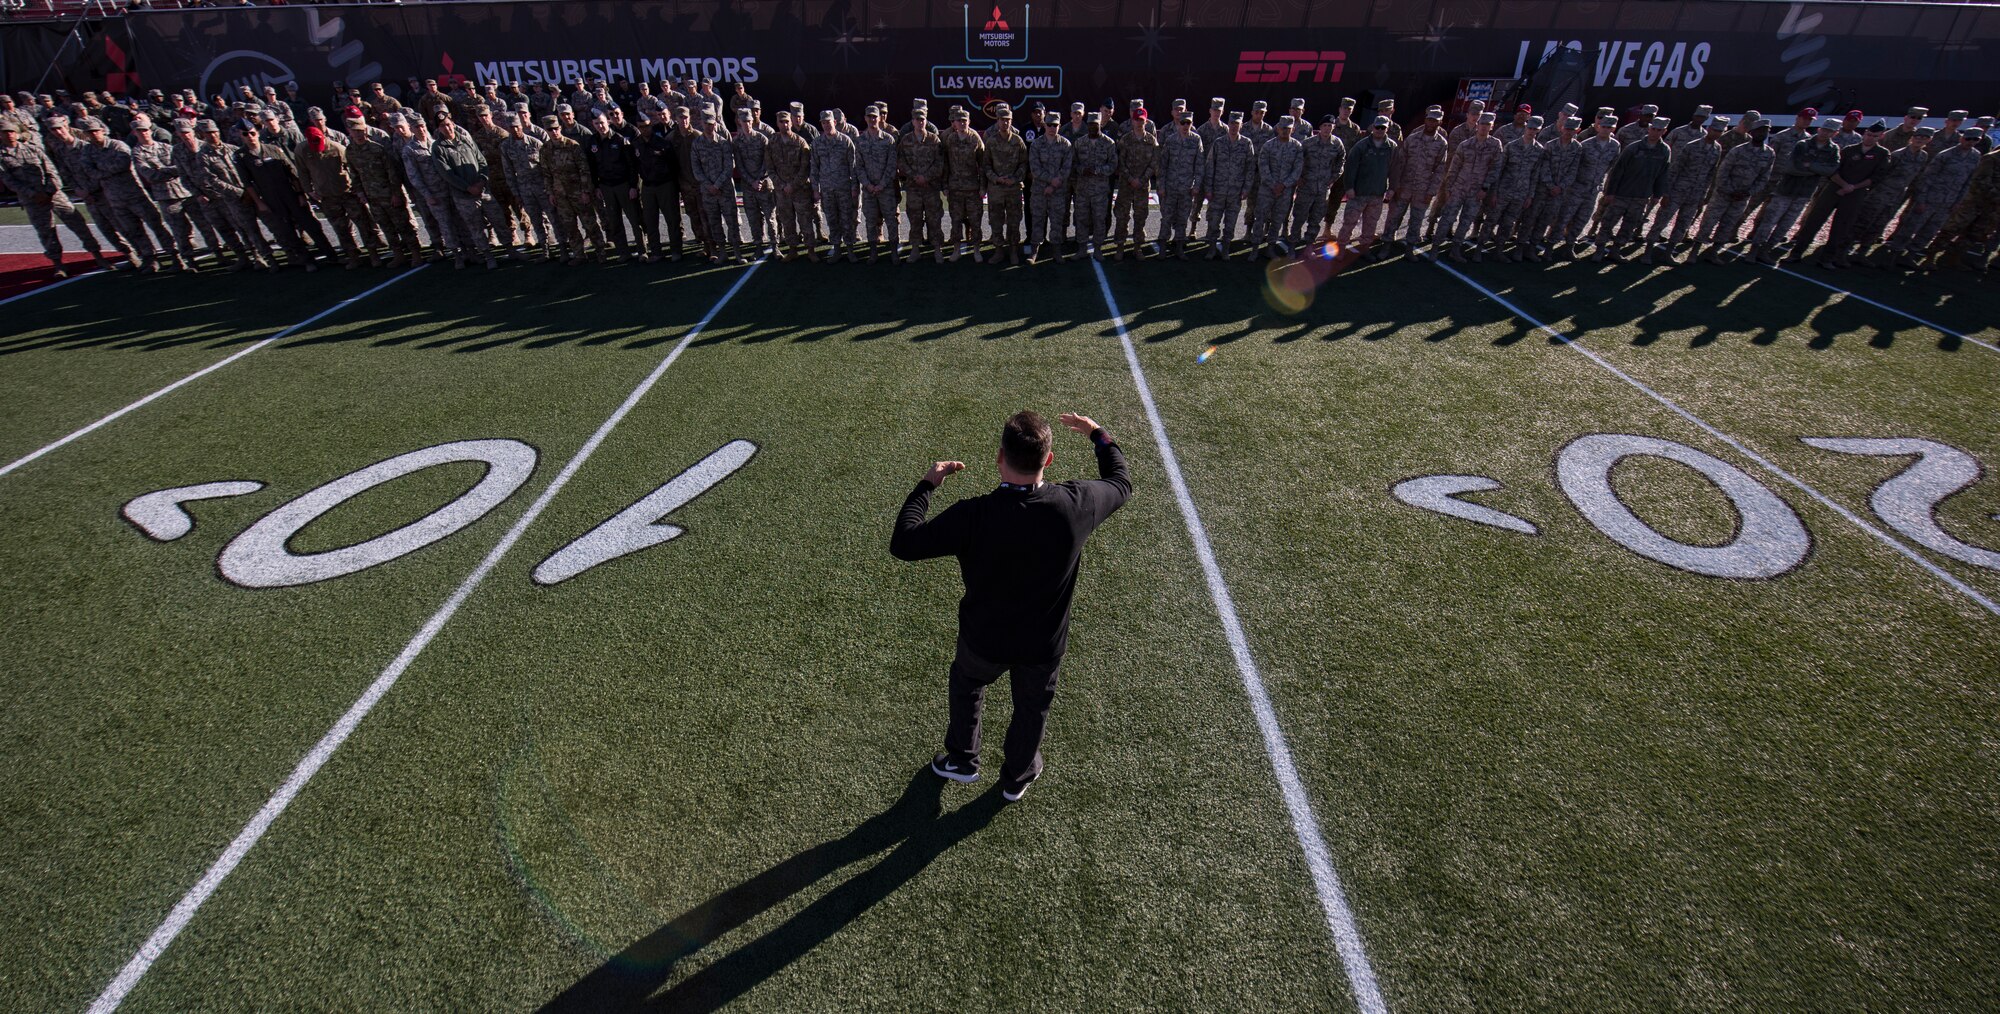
1482, 637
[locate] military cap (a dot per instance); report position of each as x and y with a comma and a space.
1534, 123
1718, 123
1136, 104
503, 119
1918, 112
956, 115
1477, 106
1216, 103
206, 127
1984, 122
9, 127
916, 103
1486, 118
563, 107
1297, 104
1752, 114
1348, 103
1974, 133
799, 107
1380, 123
743, 114
1926, 132
1603, 110
1607, 120
1236, 117
1003, 112
1037, 107
920, 113
1568, 107
1957, 114
1855, 114
1259, 106
1809, 111
1649, 110
1433, 113
1077, 107
1087, 118
1524, 108
1177, 104
1185, 118
1829, 124
1287, 121
1754, 124
155, 93
1328, 119
1572, 123
757, 104
1381, 104
708, 115
353, 121
1875, 128
1110, 102
1704, 110
1659, 123
90, 123
550, 122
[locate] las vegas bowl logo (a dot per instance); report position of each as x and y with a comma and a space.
244, 67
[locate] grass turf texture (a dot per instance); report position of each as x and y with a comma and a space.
1553, 774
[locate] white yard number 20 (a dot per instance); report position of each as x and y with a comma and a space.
261, 556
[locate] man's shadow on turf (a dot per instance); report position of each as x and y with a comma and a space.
914, 826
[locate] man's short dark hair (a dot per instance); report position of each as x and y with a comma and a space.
1025, 441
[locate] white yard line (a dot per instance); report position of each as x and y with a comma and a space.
1319, 861
1741, 448
321, 752
1939, 328
206, 370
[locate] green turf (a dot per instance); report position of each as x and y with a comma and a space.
1552, 774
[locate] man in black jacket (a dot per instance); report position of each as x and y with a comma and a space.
1019, 549
615, 167
659, 185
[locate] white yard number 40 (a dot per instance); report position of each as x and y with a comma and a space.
261, 557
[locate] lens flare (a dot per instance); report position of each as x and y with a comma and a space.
1205, 353
1289, 286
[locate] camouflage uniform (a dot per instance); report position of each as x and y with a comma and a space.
1137, 155
1180, 170
875, 162
1006, 167
753, 174
1887, 194
1553, 182
1324, 160
834, 175
1418, 172
1514, 187
714, 160
28, 171
572, 195
1258, 131
1231, 163
1799, 174
1975, 216
1048, 211
461, 167
218, 187
964, 180
790, 159
154, 161
1738, 180
920, 154
428, 182
1580, 203
1638, 176
1093, 160
326, 177
110, 172
377, 180
1475, 164
1210, 131
1936, 190
521, 162
1280, 163
489, 140
1688, 178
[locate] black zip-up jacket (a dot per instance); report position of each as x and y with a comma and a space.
658, 158
1019, 552
612, 163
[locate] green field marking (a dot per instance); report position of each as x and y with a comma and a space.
1557, 774
75, 356
731, 722
1833, 367
157, 706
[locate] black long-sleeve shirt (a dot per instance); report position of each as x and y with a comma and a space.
612, 162
1018, 552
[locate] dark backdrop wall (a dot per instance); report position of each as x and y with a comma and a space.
1734, 55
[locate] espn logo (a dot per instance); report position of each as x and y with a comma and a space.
1285, 66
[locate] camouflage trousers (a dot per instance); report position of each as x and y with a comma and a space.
1508, 218
1003, 212
1274, 213
43, 217
795, 217
1132, 207
878, 210
838, 204
1093, 206
184, 218
1223, 208
760, 209
533, 202
714, 207
1458, 218
1309, 210
926, 217
133, 215
1364, 210
444, 223
350, 219
576, 220
1721, 219
1176, 206
1573, 220
691, 200
1920, 225
964, 206
1623, 218
1974, 218
1676, 216
1873, 221
236, 222
1775, 221
1407, 214
475, 213
1048, 214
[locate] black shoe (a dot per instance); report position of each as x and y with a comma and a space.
958, 769
1012, 792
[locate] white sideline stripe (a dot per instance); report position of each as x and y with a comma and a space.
1896, 544
1941, 329
1332, 900
184, 910
39, 289
206, 370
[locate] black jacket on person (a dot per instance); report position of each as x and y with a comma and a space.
612, 162
1018, 551
658, 158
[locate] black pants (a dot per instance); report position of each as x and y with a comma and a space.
1034, 690
1843, 208
656, 201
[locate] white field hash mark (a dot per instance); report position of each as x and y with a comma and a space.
245, 840
206, 370
1305, 825
1739, 446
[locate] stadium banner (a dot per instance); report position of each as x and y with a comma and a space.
1734, 55
72, 55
